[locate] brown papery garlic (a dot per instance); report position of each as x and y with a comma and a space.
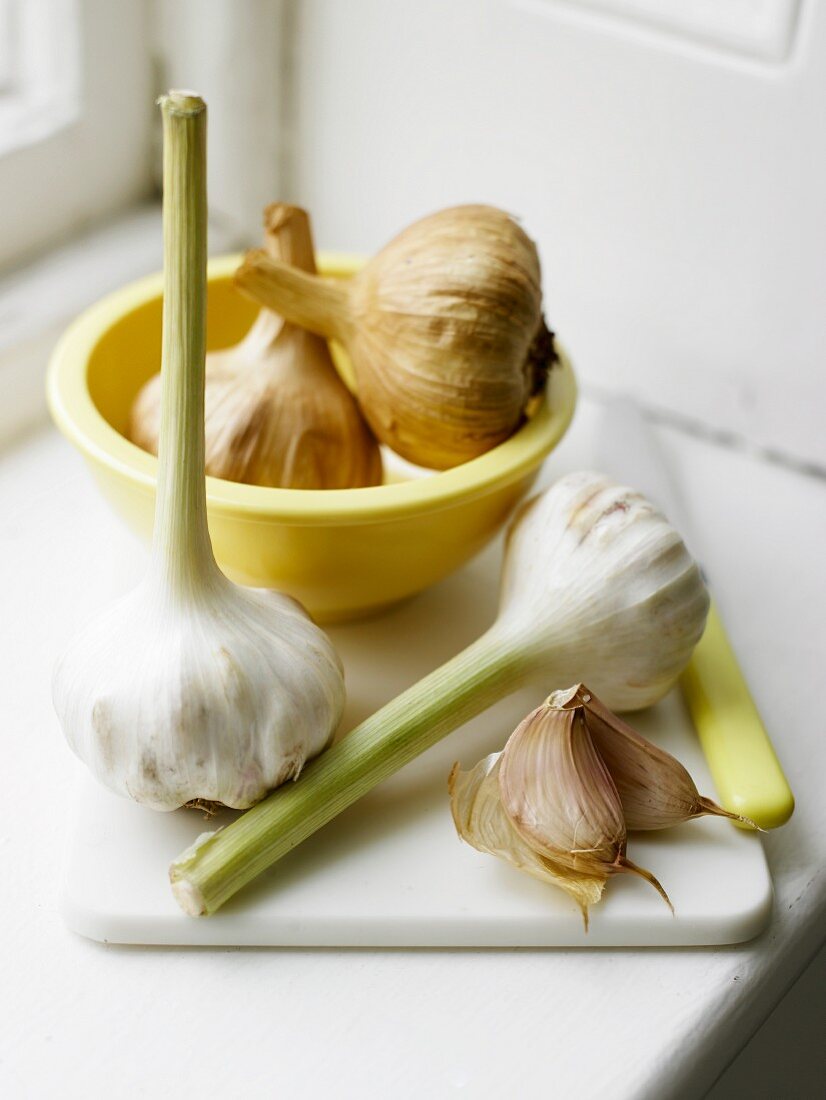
444, 329
655, 789
277, 412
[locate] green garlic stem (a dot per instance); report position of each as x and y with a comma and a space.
213, 870
182, 556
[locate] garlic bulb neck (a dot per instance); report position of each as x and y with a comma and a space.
315, 303
261, 338
288, 240
181, 557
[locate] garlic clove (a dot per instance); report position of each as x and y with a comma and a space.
561, 798
444, 329
558, 793
277, 413
480, 819
655, 789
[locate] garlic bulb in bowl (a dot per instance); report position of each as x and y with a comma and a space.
277, 412
192, 689
443, 327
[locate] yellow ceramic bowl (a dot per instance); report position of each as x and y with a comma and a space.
344, 552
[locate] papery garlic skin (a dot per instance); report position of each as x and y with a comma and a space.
630, 641
481, 821
558, 793
448, 397
561, 798
276, 415
548, 805
220, 700
655, 789
558, 800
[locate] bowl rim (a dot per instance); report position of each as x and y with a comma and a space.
79, 419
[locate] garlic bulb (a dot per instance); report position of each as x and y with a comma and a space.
192, 689
444, 329
594, 580
612, 594
277, 412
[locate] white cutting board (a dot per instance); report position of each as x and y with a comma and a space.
391, 871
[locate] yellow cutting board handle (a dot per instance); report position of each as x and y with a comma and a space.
743, 763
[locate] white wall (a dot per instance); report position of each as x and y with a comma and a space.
231, 51
676, 192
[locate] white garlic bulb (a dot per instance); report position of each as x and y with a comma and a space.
612, 594
192, 689
212, 697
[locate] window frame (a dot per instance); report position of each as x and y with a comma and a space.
76, 119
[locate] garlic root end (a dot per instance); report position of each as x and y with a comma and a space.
541, 357
625, 864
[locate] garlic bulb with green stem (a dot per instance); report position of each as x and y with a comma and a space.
443, 327
594, 579
277, 412
192, 689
